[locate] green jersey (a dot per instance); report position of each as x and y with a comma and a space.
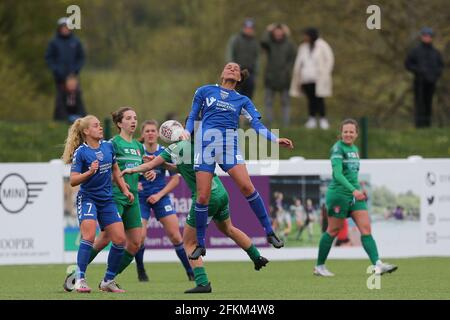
345, 163
128, 155
181, 153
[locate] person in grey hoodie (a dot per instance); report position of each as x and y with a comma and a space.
243, 48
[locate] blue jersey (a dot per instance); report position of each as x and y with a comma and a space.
220, 108
152, 187
99, 185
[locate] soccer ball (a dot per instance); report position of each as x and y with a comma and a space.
170, 131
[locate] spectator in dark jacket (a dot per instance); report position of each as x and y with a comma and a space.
71, 103
64, 56
425, 62
281, 53
243, 48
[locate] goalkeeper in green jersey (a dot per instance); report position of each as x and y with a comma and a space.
344, 199
181, 154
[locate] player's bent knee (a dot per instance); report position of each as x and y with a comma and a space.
89, 237
203, 199
133, 246
247, 190
175, 238
119, 239
333, 232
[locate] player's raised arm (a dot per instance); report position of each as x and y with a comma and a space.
195, 110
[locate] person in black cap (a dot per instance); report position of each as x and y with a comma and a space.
243, 48
64, 57
425, 62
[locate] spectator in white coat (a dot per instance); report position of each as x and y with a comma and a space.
312, 76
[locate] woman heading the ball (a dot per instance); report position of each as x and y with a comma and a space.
217, 108
344, 199
181, 153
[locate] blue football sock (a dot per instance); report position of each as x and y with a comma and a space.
256, 203
84, 253
201, 221
183, 258
114, 258
140, 257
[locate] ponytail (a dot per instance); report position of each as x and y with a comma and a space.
244, 75
75, 137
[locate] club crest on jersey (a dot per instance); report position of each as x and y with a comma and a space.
99, 155
210, 101
224, 94
337, 209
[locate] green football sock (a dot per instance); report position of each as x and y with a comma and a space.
127, 258
371, 247
94, 253
201, 279
326, 241
253, 252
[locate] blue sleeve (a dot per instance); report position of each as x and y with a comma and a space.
113, 153
253, 116
197, 102
77, 162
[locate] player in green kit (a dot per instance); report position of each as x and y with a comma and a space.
345, 199
181, 154
129, 153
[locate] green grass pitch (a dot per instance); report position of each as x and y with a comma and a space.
418, 278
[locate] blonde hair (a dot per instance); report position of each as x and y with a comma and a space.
151, 122
75, 137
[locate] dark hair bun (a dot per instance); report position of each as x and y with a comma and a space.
244, 75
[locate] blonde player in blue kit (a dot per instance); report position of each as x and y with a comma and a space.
93, 168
